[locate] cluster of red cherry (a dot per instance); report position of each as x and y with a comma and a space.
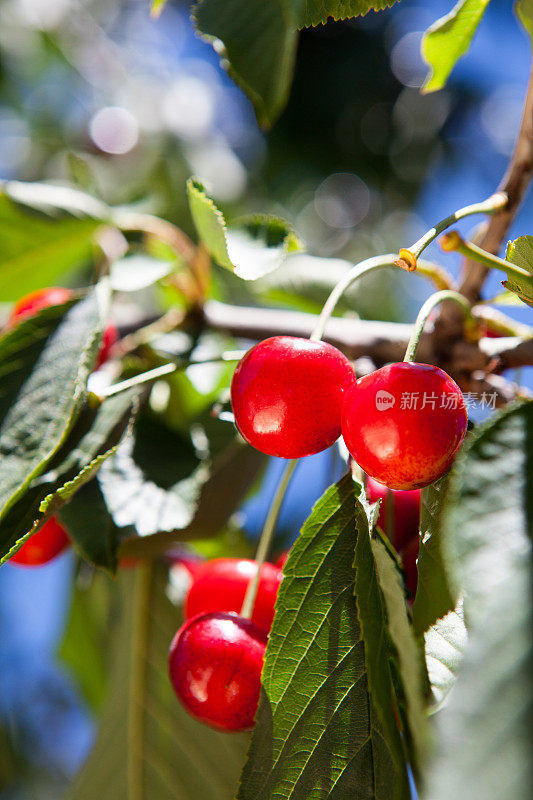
216, 657
52, 538
291, 398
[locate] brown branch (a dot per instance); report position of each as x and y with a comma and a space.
514, 184
382, 342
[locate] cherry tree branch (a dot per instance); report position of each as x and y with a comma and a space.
514, 184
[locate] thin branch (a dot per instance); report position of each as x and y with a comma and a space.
382, 342
514, 184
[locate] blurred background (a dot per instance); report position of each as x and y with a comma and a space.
98, 94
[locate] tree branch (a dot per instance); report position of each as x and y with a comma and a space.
514, 184
382, 342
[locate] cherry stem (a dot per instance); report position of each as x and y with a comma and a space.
452, 241
267, 534
424, 313
168, 369
429, 270
494, 203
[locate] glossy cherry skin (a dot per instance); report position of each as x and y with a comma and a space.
409, 557
220, 585
33, 302
55, 295
282, 559
404, 513
287, 395
42, 546
404, 447
215, 664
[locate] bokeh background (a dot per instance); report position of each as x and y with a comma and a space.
97, 93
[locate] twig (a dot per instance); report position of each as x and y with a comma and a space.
514, 184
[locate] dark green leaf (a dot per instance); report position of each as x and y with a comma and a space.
485, 732
93, 439
520, 252
44, 231
407, 653
251, 247
256, 40
317, 734
449, 38
148, 748
231, 475
44, 365
317, 12
153, 482
434, 595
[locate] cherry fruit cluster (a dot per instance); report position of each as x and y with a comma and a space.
293, 397
216, 657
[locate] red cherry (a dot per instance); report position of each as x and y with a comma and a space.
42, 546
404, 423
282, 560
33, 302
404, 513
409, 556
55, 295
287, 395
109, 338
220, 585
215, 664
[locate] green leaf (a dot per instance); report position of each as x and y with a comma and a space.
231, 475
434, 594
520, 252
157, 7
256, 40
44, 365
148, 748
317, 733
85, 644
524, 11
153, 482
44, 232
445, 643
251, 247
486, 729
93, 439
372, 614
138, 271
449, 38
407, 653
317, 12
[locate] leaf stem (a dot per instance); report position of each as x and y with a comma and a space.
453, 241
168, 369
426, 310
139, 639
489, 206
266, 537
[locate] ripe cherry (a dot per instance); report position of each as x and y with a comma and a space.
409, 557
42, 546
220, 585
399, 513
404, 423
287, 395
33, 302
215, 664
282, 559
